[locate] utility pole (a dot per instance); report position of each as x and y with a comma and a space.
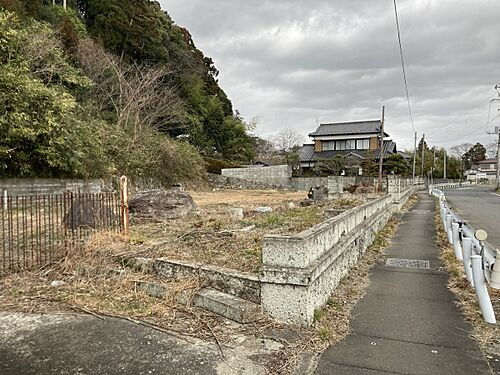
414, 157
444, 164
381, 151
497, 129
64, 4
423, 154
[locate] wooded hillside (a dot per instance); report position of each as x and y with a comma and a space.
109, 87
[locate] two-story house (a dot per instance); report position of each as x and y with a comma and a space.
485, 170
355, 141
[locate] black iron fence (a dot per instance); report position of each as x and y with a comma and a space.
34, 229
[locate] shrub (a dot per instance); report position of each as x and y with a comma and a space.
216, 165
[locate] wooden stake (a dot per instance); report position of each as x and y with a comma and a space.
124, 203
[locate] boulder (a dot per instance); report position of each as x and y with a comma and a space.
160, 205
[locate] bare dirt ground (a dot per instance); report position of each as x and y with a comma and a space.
212, 236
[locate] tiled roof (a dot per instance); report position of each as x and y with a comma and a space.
306, 152
355, 127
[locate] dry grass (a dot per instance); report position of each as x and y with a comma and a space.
487, 335
332, 322
96, 283
212, 236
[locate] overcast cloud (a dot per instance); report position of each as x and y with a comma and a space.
292, 62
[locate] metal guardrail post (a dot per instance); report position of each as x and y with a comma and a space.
455, 228
449, 219
466, 255
481, 289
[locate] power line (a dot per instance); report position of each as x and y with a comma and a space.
403, 65
444, 128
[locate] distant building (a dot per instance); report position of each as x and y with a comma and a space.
485, 170
355, 141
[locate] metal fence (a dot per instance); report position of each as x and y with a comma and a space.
33, 229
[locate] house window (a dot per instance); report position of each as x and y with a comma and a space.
363, 144
350, 144
328, 145
340, 145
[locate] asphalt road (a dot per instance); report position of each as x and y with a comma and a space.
480, 207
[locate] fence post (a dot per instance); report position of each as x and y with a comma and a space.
124, 203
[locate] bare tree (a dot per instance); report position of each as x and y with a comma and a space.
491, 150
461, 149
288, 142
140, 95
286, 139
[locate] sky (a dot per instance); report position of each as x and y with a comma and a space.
294, 63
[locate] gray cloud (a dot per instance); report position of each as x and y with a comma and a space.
290, 62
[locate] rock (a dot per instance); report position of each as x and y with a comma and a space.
87, 213
290, 205
57, 283
236, 213
263, 210
160, 205
317, 193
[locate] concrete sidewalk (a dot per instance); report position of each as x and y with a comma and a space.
408, 323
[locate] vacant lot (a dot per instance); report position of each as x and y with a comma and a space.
212, 236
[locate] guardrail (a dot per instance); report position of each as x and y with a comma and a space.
470, 247
452, 185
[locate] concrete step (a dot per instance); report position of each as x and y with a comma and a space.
227, 305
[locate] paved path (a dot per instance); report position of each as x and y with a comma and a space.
408, 323
480, 208
69, 344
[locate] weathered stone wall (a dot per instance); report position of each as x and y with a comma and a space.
275, 175
300, 272
223, 182
47, 186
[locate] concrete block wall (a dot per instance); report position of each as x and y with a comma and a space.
306, 183
300, 272
47, 186
275, 175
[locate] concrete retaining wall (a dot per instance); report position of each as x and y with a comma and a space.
47, 186
300, 272
306, 183
239, 284
275, 175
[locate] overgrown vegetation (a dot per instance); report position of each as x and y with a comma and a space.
107, 88
214, 237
